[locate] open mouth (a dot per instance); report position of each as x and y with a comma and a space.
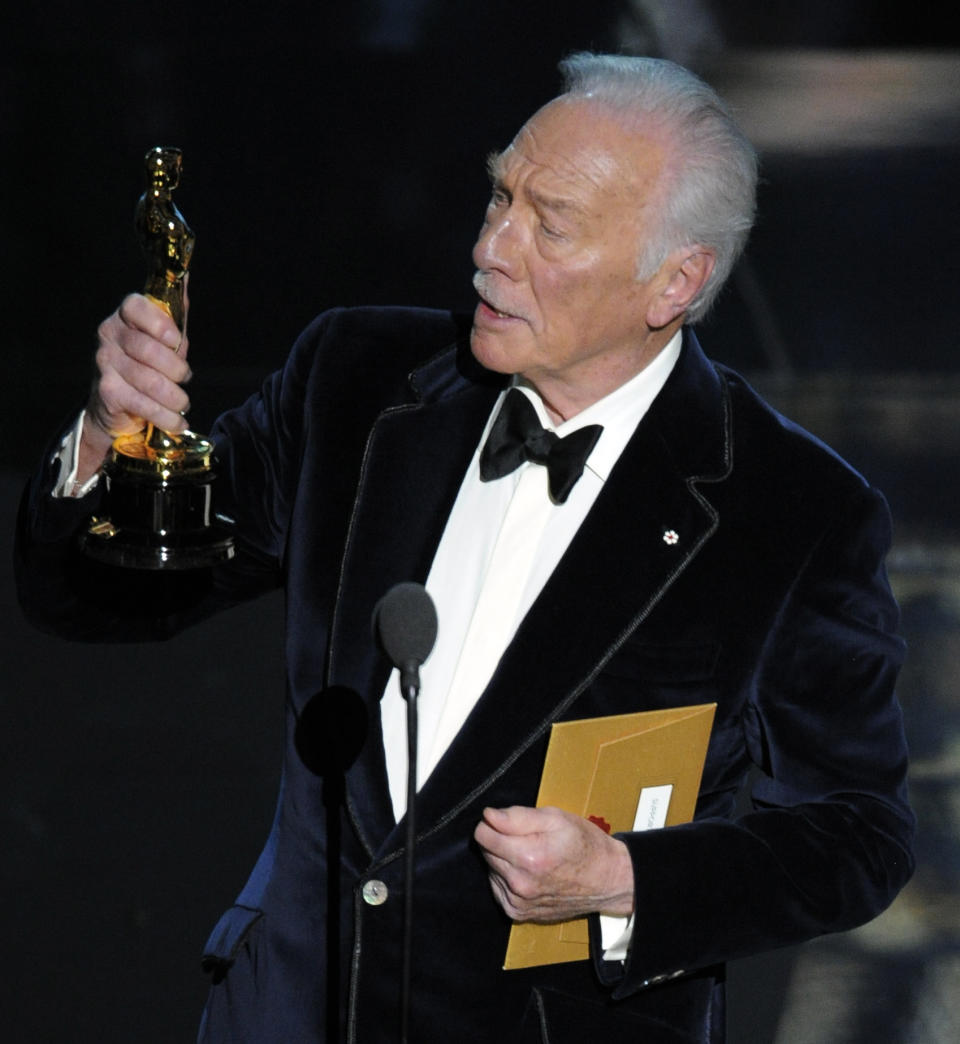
490, 310
488, 306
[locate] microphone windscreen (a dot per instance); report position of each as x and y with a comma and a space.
405, 620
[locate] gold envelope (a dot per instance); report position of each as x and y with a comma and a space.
597, 767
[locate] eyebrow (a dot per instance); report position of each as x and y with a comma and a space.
493, 166
557, 204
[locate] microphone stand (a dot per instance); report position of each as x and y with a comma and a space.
410, 687
405, 621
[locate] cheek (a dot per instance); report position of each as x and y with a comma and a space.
561, 295
570, 306
573, 278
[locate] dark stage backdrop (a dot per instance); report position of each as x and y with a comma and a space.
334, 155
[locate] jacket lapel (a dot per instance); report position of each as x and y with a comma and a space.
413, 466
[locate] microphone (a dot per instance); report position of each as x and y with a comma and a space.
405, 621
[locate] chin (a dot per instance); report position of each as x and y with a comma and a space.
490, 351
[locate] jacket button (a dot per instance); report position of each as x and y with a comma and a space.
375, 893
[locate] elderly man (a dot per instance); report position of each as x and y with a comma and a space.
682, 544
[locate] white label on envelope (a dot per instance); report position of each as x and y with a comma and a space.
652, 807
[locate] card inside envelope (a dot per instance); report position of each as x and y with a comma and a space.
599, 768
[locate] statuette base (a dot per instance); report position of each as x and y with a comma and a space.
158, 508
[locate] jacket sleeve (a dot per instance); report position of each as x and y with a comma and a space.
828, 842
258, 449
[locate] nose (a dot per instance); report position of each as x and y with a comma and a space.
497, 247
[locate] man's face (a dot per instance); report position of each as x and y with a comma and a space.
556, 257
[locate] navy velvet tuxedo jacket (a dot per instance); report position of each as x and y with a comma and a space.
772, 602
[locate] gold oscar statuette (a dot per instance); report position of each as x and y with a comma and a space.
157, 511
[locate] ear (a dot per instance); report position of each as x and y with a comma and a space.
683, 276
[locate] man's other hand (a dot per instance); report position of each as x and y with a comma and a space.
547, 865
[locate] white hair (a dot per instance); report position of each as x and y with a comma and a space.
709, 189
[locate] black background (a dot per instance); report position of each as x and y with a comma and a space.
335, 155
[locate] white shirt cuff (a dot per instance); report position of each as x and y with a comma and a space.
68, 454
616, 934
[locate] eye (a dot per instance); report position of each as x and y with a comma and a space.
550, 232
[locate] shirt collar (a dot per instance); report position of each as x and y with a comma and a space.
619, 412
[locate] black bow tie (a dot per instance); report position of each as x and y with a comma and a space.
517, 435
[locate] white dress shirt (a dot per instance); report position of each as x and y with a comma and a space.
461, 569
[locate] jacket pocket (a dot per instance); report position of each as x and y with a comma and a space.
677, 663
557, 1018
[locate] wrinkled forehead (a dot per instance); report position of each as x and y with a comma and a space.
583, 142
